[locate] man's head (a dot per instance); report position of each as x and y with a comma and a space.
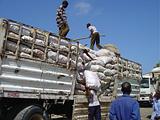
88, 24
126, 88
157, 95
65, 3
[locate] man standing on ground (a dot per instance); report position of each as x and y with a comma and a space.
95, 37
94, 109
61, 19
125, 107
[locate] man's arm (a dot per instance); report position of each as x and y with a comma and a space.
86, 52
136, 112
112, 114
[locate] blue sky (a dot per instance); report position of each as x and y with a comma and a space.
132, 25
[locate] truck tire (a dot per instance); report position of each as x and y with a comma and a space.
31, 113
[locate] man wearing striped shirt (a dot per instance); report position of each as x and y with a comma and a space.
61, 19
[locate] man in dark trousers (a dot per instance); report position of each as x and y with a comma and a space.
61, 19
94, 108
125, 107
95, 37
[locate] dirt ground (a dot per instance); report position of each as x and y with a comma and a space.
146, 113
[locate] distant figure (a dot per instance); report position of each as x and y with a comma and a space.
156, 106
125, 107
95, 37
61, 19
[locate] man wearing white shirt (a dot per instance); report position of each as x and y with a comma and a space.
95, 37
94, 109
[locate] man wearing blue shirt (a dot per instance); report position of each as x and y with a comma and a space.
156, 106
125, 107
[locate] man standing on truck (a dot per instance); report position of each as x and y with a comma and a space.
95, 37
61, 19
125, 107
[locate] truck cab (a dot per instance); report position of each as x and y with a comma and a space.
146, 89
149, 84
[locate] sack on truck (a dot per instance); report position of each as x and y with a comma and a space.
92, 80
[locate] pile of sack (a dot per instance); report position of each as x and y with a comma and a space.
108, 67
37, 43
99, 69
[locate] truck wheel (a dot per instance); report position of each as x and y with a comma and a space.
31, 113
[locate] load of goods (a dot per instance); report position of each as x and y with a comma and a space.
27, 42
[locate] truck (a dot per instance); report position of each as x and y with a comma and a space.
39, 75
148, 86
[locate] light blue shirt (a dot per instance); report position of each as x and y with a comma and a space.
156, 109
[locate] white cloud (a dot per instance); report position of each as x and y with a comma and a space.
83, 8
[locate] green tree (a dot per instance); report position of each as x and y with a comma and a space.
158, 64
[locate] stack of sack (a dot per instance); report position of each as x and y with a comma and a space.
26, 42
108, 67
105, 66
39, 44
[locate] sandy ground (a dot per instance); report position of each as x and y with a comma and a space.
146, 113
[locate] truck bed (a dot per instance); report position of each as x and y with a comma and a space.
32, 76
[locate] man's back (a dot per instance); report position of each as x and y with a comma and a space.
124, 108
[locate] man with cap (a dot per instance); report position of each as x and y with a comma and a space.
95, 37
61, 19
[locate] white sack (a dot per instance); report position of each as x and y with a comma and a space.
14, 28
53, 56
104, 52
92, 79
38, 53
105, 59
64, 42
97, 62
13, 35
109, 72
39, 42
101, 75
84, 57
26, 32
54, 40
13, 46
109, 66
25, 49
22, 54
126, 72
62, 48
97, 68
92, 55
28, 38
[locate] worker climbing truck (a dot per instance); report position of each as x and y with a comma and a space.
40, 78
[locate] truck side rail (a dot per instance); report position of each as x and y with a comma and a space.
128, 68
36, 63
16, 33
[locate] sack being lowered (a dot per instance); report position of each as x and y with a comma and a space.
92, 79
